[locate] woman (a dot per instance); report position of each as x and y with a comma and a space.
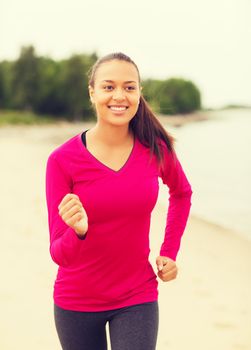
101, 187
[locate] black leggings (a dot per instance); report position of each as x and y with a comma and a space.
130, 328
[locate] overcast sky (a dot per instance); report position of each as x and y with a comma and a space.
207, 41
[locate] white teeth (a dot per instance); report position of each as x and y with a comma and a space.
118, 108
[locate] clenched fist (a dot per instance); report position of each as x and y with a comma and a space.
73, 213
167, 268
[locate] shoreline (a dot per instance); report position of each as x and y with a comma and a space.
238, 233
182, 119
173, 120
176, 120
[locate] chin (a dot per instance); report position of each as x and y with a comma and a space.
117, 120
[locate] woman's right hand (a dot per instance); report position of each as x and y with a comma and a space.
73, 214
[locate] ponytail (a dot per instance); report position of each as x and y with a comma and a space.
148, 129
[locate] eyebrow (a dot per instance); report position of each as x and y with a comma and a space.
126, 82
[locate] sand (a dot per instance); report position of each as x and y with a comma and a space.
208, 306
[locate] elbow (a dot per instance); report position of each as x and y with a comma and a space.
190, 192
185, 193
188, 195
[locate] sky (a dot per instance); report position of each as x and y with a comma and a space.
206, 41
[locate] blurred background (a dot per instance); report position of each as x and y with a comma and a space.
194, 59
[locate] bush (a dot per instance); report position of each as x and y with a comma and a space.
172, 96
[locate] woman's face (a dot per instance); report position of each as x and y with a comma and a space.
116, 92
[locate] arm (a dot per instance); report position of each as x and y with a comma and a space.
64, 242
180, 193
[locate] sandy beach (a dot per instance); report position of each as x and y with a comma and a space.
207, 307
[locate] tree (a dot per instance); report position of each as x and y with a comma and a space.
61, 87
50, 99
75, 86
25, 83
150, 92
177, 95
6, 68
2, 87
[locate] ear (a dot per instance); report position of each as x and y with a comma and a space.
91, 93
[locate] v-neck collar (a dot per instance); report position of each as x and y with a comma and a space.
103, 165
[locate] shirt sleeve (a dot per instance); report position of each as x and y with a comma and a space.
64, 242
180, 193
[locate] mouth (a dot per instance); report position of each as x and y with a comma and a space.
118, 108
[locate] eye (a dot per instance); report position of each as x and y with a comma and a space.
108, 87
131, 88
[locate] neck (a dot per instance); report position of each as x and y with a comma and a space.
111, 135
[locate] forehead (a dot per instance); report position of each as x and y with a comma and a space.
117, 71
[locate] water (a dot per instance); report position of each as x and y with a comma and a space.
215, 155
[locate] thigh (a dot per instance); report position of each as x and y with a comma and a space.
135, 327
80, 330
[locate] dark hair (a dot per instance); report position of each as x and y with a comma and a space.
145, 125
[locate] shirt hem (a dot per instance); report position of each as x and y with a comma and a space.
92, 308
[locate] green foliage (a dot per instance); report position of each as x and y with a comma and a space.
6, 69
172, 96
183, 96
44, 86
50, 97
2, 87
74, 86
150, 90
18, 117
25, 79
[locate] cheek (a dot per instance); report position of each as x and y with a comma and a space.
101, 101
134, 100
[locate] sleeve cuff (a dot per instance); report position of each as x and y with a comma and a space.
81, 237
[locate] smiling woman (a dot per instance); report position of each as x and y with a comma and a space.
101, 187
115, 91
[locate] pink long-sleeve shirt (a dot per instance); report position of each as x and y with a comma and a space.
110, 268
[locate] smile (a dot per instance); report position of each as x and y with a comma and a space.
118, 108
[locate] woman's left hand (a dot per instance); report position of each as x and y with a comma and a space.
167, 269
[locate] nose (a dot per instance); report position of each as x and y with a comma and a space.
118, 95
